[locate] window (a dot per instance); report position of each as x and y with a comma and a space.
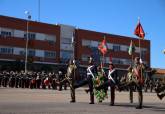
31, 53
31, 36
84, 57
66, 54
6, 50
66, 40
116, 47
94, 43
5, 34
22, 52
50, 54
109, 46
51, 42
143, 54
116, 60
86, 43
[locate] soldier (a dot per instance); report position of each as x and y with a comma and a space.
137, 80
112, 82
70, 76
91, 73
160, 90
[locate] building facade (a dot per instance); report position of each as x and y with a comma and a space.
53, 44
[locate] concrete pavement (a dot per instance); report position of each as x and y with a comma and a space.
38, 101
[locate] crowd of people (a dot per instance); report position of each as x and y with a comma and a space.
33, 80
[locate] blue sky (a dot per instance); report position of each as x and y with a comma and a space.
112, 16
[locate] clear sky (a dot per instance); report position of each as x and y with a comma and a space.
111, 16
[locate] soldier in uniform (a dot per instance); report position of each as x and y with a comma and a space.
112, 82
138, 81
70, 77
91, 73
160, 90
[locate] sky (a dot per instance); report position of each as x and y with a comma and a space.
118, 17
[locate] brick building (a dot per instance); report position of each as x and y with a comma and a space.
51, 44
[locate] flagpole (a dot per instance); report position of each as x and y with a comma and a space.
139, 48
73, 45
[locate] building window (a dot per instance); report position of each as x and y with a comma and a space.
22, 52
86, 43
143, 54
116, 61
51, 42
50, 38
66, 54
6, 50
94, 43
50, 54
5, 34
116, 47
66, 40
84, 57
31, 36
31, 53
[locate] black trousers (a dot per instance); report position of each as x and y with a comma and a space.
88, 81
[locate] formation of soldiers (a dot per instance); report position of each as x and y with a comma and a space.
134, 78
33, 80
97, 79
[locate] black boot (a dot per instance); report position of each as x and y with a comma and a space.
160, 96
139, 107
86, 90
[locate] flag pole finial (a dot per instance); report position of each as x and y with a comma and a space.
138, 19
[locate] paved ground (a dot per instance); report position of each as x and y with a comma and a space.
27, 101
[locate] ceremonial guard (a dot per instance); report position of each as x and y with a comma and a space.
70, 77
112, 82
91, 73
136, 78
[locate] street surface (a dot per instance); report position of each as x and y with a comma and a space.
39, 101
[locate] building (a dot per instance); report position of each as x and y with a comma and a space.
159, 75
52, 44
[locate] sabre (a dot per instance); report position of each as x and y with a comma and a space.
109, 75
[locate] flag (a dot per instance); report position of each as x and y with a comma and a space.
139, 31
102, 47
131, 48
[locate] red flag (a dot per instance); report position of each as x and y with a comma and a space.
139, 31
102, 47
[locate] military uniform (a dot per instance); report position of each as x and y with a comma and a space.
136, 79
112, 82
91, 73
70, 76
160, 90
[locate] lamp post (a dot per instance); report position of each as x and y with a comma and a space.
27, 38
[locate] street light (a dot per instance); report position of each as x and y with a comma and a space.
27, 38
